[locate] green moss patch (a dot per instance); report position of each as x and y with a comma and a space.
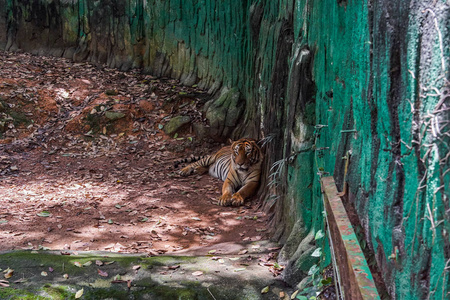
111, 276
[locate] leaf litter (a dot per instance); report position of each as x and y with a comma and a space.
75, 179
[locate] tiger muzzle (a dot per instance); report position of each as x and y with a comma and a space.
242, 167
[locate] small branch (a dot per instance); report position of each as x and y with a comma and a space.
211, 293
320, 126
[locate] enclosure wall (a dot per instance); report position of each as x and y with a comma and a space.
367, 81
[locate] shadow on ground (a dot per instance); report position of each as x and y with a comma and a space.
86, 165
102, 275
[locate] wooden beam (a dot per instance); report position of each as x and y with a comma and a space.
355, 278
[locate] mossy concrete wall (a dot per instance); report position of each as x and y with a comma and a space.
321, 80
381, 69
188, 40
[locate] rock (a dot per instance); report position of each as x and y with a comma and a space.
111, 92
114, 115
304, 283
224, 113
175, 124
69, 52
200, 130
301, 261
296, 236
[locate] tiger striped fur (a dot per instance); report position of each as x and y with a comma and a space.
191, 159
238, 165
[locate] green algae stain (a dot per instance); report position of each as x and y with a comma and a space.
15, 294
57, 292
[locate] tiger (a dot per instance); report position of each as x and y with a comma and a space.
238, 166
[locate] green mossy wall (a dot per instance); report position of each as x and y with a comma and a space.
321, 80
187, 40
382, 69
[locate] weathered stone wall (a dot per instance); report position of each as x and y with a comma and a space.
369, 82
321, 80
188, 40
382, 69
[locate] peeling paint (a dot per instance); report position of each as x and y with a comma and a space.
356, 278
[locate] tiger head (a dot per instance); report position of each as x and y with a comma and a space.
245, 154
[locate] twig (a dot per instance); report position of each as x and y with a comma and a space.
211, 293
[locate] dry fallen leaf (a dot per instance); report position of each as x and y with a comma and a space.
44, 214
197, 273
87, 264
4, 283
75, 103
8, 273
79, 294
102, 273
294, 294
117, 278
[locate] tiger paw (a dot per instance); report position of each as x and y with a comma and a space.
186, 171
237, 200
225, 200
201, 170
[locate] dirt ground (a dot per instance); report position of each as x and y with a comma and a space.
85, 164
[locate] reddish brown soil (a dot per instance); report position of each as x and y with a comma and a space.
68, 183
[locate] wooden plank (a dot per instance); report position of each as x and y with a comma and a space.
356, 279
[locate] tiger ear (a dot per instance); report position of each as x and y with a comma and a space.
230, 141
255, 143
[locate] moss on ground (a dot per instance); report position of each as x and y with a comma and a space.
9, 293
130, 277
